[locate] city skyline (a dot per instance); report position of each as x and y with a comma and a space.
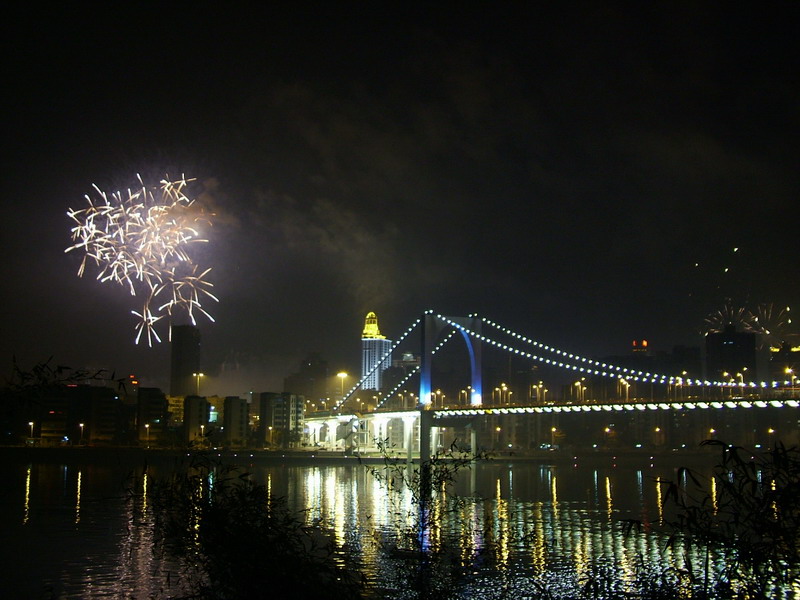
584, 175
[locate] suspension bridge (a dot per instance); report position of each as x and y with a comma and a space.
422, 428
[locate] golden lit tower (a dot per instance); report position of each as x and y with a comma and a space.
375, 353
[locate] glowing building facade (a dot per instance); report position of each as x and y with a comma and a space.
375, 353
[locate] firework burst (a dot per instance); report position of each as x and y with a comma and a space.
772, 323
141, 241
727, 315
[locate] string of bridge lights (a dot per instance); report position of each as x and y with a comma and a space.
383, 358
579, 364
590, 366
415, 370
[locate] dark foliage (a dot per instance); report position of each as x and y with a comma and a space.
237, 542
423, 568
747, 513
44, 378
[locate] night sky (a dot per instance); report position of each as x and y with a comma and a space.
560, 171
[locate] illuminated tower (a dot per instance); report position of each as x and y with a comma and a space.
375, 349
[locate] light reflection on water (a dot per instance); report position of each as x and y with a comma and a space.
558, 520
77, 530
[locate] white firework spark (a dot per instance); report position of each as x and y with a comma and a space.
142, 242
771, 323
729, 314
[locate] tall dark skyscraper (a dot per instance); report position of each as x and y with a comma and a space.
730, 353
311, 380
185, 360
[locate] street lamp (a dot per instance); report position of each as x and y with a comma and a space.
147, 433
552, 437
627, 386
31, 425
81, 426
342, 376
197, 376
741, 383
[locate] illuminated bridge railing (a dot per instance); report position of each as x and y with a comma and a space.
617, 407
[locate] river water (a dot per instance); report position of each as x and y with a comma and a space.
74, 529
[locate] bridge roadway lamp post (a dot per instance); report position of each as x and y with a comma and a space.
342, 376
30, 423
81, 426
197, 376
741, 382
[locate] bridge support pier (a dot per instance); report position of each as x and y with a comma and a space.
333, 425
379, 430
425, 427
408, 436
473, 440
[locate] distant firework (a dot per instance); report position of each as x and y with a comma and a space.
772, 323
727, 315
142, 242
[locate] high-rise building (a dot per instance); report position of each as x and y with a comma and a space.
264, 434
311, 380
196, 411
235, 419
152, 415
730, 353
375, 354
184, 360
288, 419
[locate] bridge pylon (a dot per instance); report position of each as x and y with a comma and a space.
432, 327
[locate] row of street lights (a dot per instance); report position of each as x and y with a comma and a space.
81, 425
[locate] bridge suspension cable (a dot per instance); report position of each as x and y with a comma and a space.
561, 359
415, 370
574, 362
378, 364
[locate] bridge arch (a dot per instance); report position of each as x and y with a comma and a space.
432, 327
